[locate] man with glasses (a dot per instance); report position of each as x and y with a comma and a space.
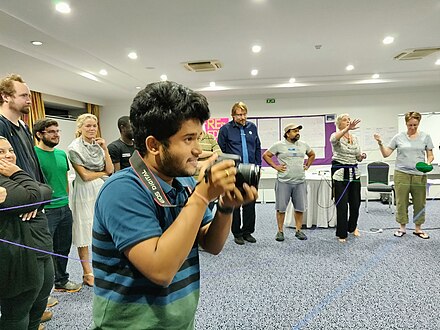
240, 137
55, 167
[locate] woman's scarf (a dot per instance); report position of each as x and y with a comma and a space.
89, 155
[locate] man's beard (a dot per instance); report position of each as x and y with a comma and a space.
23, 110
49, 143
295, 138
171, 166
129, 135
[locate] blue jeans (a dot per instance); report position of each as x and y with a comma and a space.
60, 226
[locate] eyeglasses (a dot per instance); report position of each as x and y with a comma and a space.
58, 131
240, 115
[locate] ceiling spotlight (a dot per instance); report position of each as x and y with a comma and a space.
63, 7
103, 72
388, 40
133, 55
292, 80
212, 84
437, 62
89, 76
375, 76
36, 43
256, 48
254, 72
349, 67
138, 87
164, 77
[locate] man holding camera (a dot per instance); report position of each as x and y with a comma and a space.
151, 217
290, 184
240, 137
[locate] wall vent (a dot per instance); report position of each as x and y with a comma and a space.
203, 66
416, 53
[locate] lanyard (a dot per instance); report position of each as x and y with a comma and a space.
150, 181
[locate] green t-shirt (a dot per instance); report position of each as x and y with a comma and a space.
55, 166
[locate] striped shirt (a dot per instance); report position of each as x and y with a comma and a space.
126, 214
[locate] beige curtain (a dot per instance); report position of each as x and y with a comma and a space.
94, 110
37, 110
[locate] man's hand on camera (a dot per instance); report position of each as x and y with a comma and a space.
235, 198
220, 178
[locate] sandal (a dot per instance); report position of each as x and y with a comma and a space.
399, 233
422, 235
89, 279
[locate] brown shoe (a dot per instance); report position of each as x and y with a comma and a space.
47, 315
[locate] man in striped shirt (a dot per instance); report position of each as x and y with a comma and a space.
150, 217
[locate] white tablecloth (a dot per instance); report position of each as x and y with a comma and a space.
321, 210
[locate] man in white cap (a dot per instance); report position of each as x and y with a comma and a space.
290, 184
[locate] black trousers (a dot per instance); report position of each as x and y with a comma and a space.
348, 201
248, 220
60, 226
23, 312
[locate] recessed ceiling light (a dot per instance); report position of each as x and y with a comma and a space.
103, 72
63, 7
388, 40
164, 77
292, 80
36, 43
349, 67
254, 72
138, 87
437, 62
375, 76
89, 76
212, 84
133, 55
256, 48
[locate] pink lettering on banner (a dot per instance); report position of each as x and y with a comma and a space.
213, 125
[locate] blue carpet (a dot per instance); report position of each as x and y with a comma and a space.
376, 281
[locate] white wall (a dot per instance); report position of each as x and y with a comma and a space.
376, 108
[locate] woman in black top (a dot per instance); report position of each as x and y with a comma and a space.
26, 276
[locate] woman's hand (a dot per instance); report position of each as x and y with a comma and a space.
377, 137
101, 142
8, 168
3, 194
353, 124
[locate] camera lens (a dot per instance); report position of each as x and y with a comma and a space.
247, 173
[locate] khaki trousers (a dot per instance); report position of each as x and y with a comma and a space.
405, 184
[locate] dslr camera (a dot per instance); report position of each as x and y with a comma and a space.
246, 173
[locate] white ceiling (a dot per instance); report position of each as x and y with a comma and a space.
98, 34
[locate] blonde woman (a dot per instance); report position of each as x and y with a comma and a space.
412, 147
91, 160
346, 176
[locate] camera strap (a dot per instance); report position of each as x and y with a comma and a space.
150, 181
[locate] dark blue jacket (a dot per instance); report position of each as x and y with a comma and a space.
229, 140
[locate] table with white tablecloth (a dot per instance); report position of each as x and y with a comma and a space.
321, 210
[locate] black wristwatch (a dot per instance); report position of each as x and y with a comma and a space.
224, 210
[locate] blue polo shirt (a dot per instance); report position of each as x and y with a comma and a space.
229, 140
126, 214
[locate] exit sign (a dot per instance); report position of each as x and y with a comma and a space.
270, 100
